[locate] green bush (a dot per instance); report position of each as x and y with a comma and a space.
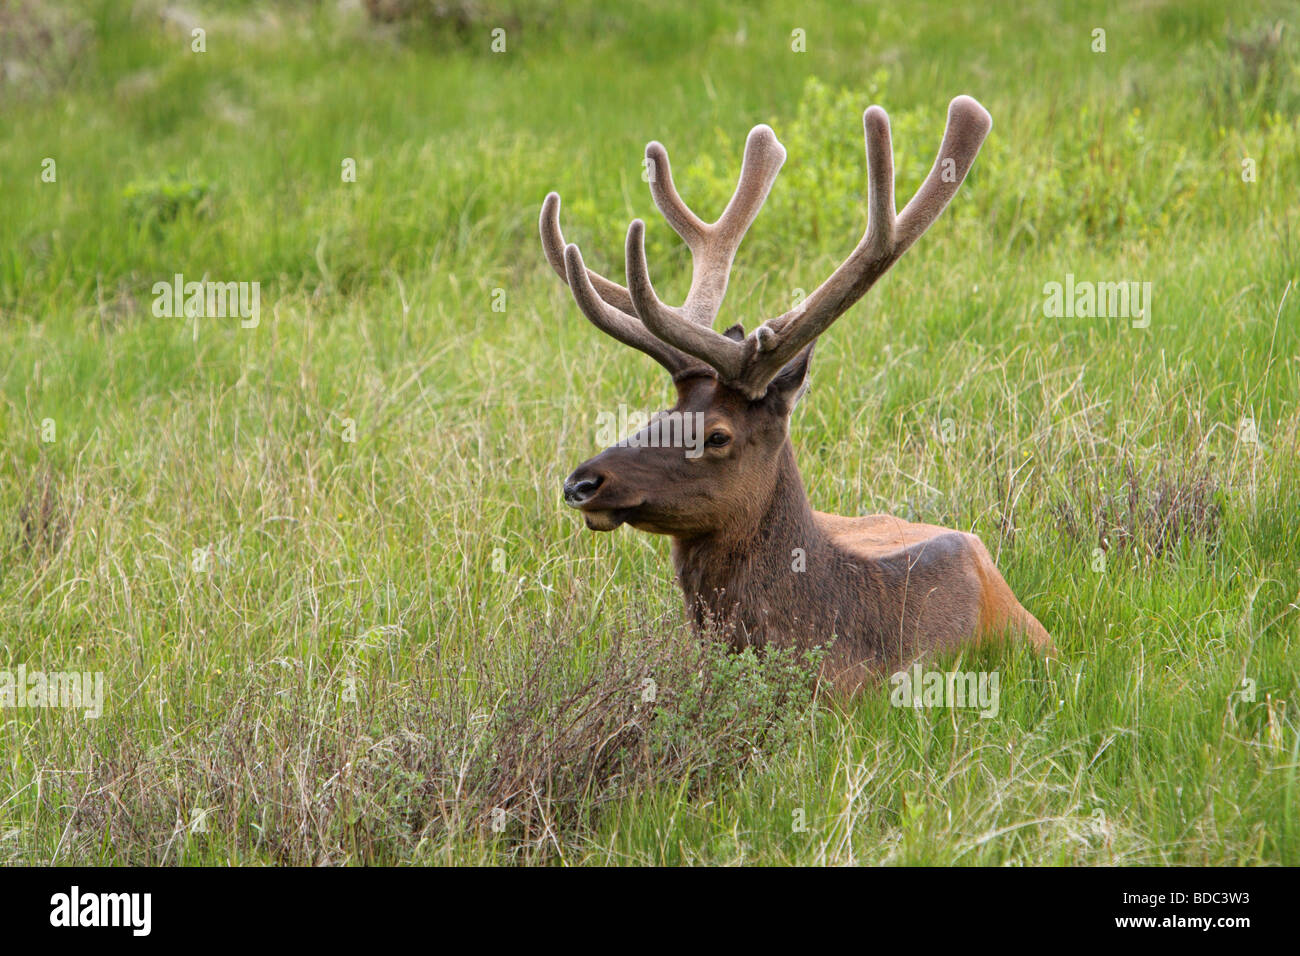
156, 202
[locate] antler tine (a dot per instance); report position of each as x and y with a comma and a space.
968, 125
713, 249
713, 245
613, 321
886, 239
553, 245
665, 333
764, 157
671, 325
684, 222
607, 305
880, 179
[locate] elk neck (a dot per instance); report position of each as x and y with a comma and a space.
725, 566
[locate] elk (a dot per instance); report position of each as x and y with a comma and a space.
886, 590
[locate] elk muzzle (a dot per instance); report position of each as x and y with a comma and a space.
605, 499
581, 486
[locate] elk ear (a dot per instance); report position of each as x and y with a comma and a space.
792, 381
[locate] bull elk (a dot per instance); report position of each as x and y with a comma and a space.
888, 590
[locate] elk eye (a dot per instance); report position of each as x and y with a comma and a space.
717, 439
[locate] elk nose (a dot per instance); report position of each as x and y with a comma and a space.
579, 488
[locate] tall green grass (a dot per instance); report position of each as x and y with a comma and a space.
293, 627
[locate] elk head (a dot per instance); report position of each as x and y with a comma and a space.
735, 391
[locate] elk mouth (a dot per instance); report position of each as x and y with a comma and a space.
584, 487
606, 519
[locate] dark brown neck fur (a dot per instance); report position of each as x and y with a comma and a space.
882, 605
751, 579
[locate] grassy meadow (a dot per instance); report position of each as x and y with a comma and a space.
323, 564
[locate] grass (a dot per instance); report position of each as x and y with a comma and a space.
323, 650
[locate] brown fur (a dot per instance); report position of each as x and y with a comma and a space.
888, 590
753, 559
